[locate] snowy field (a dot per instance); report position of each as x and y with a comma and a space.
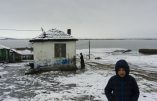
82, 85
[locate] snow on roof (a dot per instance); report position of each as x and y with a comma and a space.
4, 47
53, 34
23, 52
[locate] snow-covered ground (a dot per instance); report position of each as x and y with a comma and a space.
112, 55
82, 85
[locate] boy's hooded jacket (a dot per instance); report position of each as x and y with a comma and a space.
122, 89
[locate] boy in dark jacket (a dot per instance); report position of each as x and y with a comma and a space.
122, 86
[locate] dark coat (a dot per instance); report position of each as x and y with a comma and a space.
122, 89
82, 61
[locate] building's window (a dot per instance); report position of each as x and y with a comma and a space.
60, 50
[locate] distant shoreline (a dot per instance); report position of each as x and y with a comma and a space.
88, 38
117, 39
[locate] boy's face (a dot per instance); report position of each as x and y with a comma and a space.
121, 72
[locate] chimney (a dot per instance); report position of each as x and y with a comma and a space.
69, 31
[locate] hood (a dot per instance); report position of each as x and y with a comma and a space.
122, 64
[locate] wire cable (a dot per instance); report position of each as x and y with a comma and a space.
18, 30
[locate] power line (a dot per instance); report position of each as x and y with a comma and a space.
19, 30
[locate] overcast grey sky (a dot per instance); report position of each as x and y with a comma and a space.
86, 18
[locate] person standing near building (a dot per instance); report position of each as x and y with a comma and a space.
122, 86
82, 61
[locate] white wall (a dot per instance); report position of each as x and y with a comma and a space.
70, 49
44, 51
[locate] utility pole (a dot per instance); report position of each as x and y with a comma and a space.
89, 49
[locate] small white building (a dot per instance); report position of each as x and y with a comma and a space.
54, 48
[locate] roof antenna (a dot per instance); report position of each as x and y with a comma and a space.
44, 33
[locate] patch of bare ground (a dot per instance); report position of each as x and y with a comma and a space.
137, 71
100, 66
146, 74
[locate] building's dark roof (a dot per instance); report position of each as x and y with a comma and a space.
53, 35
23, 52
